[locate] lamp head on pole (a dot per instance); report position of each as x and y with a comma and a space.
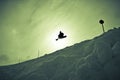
101, 21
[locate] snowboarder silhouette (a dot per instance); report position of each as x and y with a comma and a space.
61, 36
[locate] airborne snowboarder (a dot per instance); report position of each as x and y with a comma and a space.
61, 35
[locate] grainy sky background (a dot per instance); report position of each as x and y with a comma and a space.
27, 26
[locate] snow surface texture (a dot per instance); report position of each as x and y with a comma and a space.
96, 59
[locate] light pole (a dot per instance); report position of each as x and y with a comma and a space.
102, 22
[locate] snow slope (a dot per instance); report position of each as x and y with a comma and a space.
95, 59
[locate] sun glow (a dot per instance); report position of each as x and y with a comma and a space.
61, 43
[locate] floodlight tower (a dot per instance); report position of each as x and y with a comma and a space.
102, 22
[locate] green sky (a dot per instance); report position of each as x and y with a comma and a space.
27, 26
